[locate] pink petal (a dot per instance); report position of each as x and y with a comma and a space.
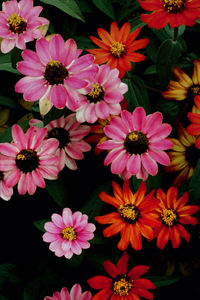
49, 237
127, 119
114, 133
119, 163
113, 96
57, 220
81, 63
112, 155
134, 164
20, 42
38, 179
49, 172
9, 149
110, 144
160, 156
103, 74
67, 217
76, 247
30, 68
90, 113
7, 163
73, 152
38, 139
70, 163
75, 292
153, 122
42, 48
69, 53
149, 164
51, 227
19, 137
75, 83
161, 145
31, 187
7, 45
56, 46
162, 132
22, 184
32, 88
48, 147
58, 96
139, 118
102, 110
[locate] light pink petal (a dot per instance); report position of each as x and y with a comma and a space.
162, 132
49, 237
22, 184
51, 227
139, 118
48, 160
42, 48
161, 145
160, 156
110, 144
114, 133
38, 179
70, 163
32, 88
56, 46
10, 7
90, 113
8, 149
153, 122
86, 296
149, 164
12, 177
103, 73
142, 174
57, 220
49, 172
33, 13
58, 96
20, 42
30, 68
75, 292
119, 163
19, 137
134, 164
112, 155
82, 146
25, 6
69, 254
48, 147
127, 119
76, 247
60, 153
75, 83
31, 187
113, 97
38, 138
7, 163
7, 45
67, 217
115, 109
102, 110
69, 53
81, 63
73, 152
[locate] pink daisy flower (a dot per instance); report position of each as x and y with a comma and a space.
70, 134
29, 159
103, 95
19, 24
54, 73
68, 234
136, 143
75, 294
5, 192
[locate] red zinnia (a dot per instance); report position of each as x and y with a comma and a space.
118, 47
194, 117
122, 285
174, 12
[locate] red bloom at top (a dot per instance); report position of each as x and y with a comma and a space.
122, 285
118, 47
174, 12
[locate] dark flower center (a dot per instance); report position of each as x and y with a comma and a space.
61, 135
136, 142
122, 285
192, 155
129, 213
174, 6
117, 49
55, 72
1, 175
169, 217
96, 94
68, 233
27, 160
16, 24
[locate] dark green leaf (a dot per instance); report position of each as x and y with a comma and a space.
8, 102
15, 57
152, 182
9, 271
136, 22
53, 114
194, 189
163, 280
57, 190
127, 9
161, 34
6, 135
39, 224
2, 297
6, 64
170, 109
150, 70
106, 7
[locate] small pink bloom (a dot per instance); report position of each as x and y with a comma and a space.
5, 192
20, 23
103, 95
136, 143
70, 134
29, 159
68, 234
54, 73
75, 294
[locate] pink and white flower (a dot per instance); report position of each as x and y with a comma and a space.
20, 23
70, 133
54, 73
5, 192
75, 294
103, 95
29, 159
136, 143
68, 234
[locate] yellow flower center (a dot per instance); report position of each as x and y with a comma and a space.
169, 216
55, 72
27, 160
96, 93
16, 24
129, 213
122, 287
174, 6
133, 136
68, 233
136, 142
196, 90
117, 49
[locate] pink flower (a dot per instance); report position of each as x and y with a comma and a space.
70, 134
29, 159
136, 143
54, 73
5, 192
75, 294
103, 94
68, 234
20, 24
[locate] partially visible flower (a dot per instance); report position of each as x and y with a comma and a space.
174, 12
183, 156
172, 213
102, 96
194, 117
54, 73
68, 234
29, 159
135, 216
122, 284
136, 143
74, 294
20, 23
5, 192
118, 47
70, 133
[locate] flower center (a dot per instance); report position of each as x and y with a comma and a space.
136, 142
192, 155
122, 286
55, 72
68, 233
129, 213
169, 217
174, 6
1, 176
16, 24
96, 93
27, 160
61, 135
117, 49
195, 89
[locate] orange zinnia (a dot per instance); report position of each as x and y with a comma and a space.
135, 216
117, 49
173, 213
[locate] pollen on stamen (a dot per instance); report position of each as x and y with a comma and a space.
117, 49
68, 233
169, 217
122, 286
16, 24
174, 6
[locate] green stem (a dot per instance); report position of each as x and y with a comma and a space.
174, 34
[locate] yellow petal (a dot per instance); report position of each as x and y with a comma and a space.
196, 72
182, 77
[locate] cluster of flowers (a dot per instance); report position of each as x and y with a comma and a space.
91, 87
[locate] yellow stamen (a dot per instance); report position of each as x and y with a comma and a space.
169, 216
97, 90
196, 90
117, 49
16, 23
68, 233
122, 287
129, 212
133, 136
174, 5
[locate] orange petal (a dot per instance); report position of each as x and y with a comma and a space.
163, 237
109, 218
182, 78
105, 36
196, 72
114, 31
124, 32
116, 202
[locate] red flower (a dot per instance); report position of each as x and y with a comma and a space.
122, 285
117, 49
174, 12
194, 128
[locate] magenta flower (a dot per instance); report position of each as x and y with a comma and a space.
103, 94
136, 143
75, 294
68, 234
20, 24
29, 159
70, 134
54, 73
5, 192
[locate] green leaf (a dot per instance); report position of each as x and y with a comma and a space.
57, 190
6, 135
9, 271
2, 297
194, 190
150, 70
170, 109
152, 182
70, 7
106, 7
167, 57
6, 64
8, 102
39, 224
136, 22
160, 281
127, 9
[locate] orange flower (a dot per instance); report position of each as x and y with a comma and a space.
194, 117
135, 216
117, 49
173, 213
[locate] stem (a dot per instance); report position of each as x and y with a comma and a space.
174, 34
